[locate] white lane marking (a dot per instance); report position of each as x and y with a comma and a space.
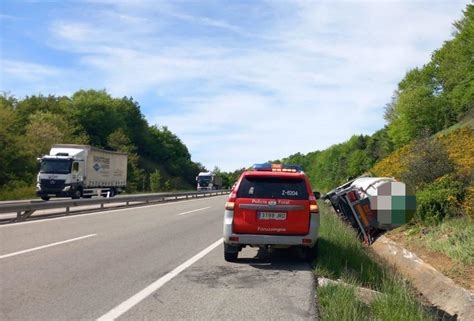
137, 298
189, 212
106, 212
46, 246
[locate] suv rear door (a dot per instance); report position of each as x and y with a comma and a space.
272, 204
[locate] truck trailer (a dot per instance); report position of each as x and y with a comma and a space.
81, 171
207, 181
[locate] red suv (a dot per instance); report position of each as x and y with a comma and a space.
272, 205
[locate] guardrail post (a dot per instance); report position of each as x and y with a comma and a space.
23, 216
67, 210
101, 205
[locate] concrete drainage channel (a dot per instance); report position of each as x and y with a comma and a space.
34, 210
443, 297
347, 274
439, 290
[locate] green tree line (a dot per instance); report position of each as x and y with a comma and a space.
29, 126
427, 100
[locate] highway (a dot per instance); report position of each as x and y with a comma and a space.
156, 262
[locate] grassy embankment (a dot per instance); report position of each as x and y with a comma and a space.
442, 232
342, 256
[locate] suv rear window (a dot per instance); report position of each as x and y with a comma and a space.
272, 187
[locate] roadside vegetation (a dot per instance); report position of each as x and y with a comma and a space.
343, 257
158, 160
436, 98
428, 143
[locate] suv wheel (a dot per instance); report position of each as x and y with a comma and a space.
230, 252
310, 253
45, 198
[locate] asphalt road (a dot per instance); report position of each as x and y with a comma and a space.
158, 262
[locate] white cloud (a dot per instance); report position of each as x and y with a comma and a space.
298, 77
27, 71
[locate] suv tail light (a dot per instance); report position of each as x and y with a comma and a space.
313, 205
229, 205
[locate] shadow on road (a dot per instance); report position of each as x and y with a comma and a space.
277, 259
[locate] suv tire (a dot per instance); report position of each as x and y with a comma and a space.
310, 253
230, 253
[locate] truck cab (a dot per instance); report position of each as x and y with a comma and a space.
208, 181
61, 174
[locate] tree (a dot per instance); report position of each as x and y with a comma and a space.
155, 181
96, 113
45, 129
16, 163
120, 142
440, 93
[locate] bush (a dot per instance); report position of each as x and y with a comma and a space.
460, 147
427, 161
468, 205
17, 190
155, 181
439, 199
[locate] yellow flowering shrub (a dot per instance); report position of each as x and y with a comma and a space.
393, 165
460, 147
446, 195
468, 204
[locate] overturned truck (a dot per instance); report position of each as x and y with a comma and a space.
373, 205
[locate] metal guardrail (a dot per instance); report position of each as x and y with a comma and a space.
25, 210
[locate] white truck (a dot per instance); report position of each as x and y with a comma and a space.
81, 171
207, 181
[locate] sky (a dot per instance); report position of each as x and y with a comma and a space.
239, 82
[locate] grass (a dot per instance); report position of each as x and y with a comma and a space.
342, 256
19, 193
340, 303
454, 237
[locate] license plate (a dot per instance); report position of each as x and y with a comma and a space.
280, 216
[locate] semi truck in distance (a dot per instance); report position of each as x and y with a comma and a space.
208, 181
81, 171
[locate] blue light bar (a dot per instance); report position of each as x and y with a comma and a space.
277, 167
262, 167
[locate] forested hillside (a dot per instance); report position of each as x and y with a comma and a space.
158, 160
428, 100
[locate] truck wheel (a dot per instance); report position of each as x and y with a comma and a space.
112, 192
230, 253
45, 198
76, 194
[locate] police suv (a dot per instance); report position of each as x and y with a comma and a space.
272, 205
